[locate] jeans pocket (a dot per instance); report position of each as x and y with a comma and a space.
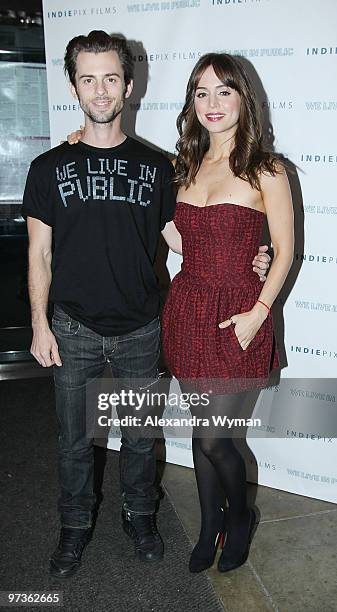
63, 324
59, 314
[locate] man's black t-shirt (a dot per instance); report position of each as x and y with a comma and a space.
107, 208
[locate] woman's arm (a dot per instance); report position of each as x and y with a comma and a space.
170, 233
280, 215
279, 209
172, 237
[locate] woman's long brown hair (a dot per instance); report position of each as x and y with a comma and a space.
248, 159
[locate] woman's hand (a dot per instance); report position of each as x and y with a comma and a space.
247, 324
74, 137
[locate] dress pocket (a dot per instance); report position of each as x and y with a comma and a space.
260, 337
229, 349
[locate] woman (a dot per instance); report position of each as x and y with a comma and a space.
217, 324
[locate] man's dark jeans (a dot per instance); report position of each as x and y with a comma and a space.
84, 355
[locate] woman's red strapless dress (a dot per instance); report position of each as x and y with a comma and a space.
216, 281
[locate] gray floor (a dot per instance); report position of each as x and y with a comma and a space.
292, 562
110, 578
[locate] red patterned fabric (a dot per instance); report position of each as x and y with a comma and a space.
216, 281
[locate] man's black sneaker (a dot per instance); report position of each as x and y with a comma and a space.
143, 530
66, 559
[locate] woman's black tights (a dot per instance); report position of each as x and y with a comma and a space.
221, 472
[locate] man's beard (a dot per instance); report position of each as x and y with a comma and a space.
101, 117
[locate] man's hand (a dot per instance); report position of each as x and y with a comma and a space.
74, 137
261, 262
44, 347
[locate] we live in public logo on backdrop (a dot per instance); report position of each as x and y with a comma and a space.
320, 209
168, 5
322, 478
321, 105
323, 395
162, 105
305, 304
261, 52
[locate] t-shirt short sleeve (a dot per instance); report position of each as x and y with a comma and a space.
36, 199
168, 194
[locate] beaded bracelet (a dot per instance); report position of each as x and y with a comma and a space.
264, 304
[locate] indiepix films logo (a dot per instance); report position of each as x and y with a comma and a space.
314, 258
278, 105
307, 435
168, 56
75, 13
321, 51
318, 158
73, 107
237, 2
266, 464
313, 351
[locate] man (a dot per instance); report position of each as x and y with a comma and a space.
104, 201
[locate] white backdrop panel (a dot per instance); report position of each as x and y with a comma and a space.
293, 62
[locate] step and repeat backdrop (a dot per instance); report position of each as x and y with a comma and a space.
290, 51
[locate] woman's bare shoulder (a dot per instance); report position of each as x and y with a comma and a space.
279, 175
